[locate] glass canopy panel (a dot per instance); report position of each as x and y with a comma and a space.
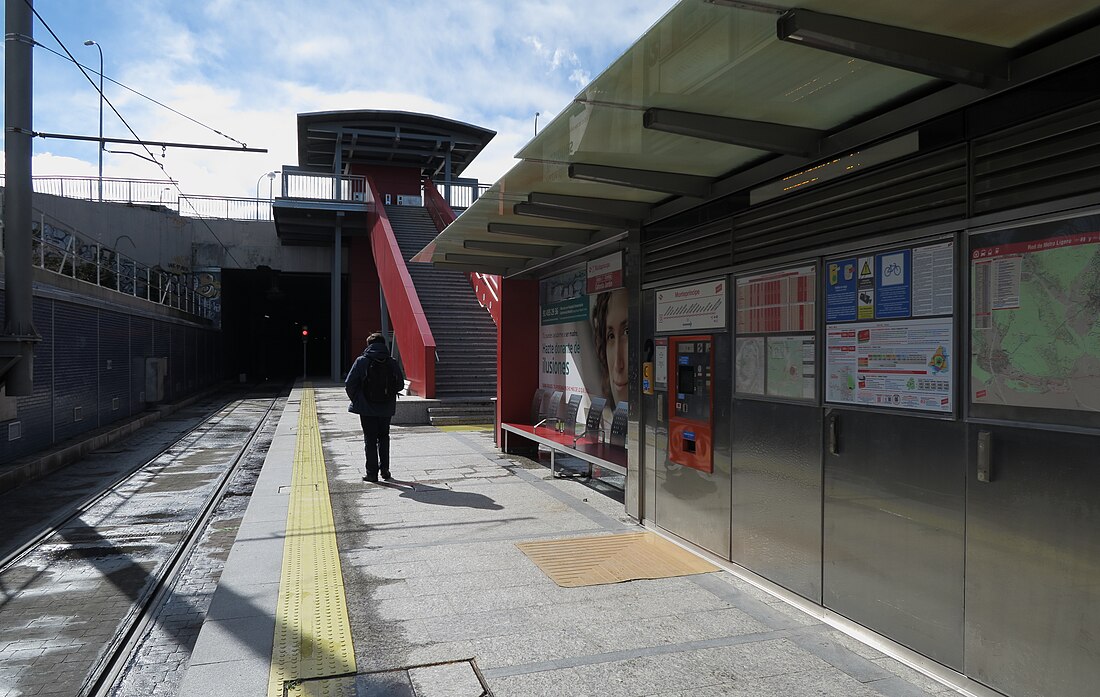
721, 61
1006, 23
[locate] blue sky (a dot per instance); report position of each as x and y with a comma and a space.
247, 67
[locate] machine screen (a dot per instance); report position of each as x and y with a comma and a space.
693, 380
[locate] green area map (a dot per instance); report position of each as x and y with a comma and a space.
1036, 327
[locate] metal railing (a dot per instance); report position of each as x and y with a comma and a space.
63, 252
295, 184
325, 187
223, 208
162, 191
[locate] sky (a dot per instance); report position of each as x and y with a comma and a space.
246, 68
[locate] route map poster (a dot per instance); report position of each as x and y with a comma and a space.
1035, 316
779, 308
889, 336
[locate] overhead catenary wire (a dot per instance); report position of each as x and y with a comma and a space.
152, 157
145, 96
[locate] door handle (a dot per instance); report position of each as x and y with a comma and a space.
834, 439
985, 456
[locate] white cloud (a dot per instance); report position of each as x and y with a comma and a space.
247, 67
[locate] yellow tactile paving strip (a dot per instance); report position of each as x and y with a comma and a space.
312, 633
592, 561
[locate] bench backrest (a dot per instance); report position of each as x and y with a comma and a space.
572, 406
552, 407
618, 424
595, 415
536, 404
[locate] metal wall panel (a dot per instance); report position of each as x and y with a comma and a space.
693, 504
777, 493
35, 411
1042, 160
893, 529
114, 366
75, 408
654, 432
918, 191
691, 251
141, 347
1033, 564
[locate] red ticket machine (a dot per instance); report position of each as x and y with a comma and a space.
691, 401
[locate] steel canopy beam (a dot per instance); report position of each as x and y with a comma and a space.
480, 268
540, 251
485, 260
945, 57
572, 215
631, 210
760, 135
564, 235
649, 180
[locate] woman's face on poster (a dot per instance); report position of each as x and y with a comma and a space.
617, 337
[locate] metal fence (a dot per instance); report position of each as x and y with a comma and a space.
325, 187
162, 191
223, 208
63, 252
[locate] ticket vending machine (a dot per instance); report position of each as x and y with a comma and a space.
691, 401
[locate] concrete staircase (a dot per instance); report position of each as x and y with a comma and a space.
465, 335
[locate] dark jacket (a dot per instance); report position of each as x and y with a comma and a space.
353, 385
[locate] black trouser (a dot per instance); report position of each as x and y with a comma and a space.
376, 434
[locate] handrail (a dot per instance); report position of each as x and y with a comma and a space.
412, 334
114, 189
60, 251
486, 286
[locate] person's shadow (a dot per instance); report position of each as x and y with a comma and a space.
443, 497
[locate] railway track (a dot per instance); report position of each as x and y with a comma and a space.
75, 597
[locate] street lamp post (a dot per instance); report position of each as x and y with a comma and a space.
89, 42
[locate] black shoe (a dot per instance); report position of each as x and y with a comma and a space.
387, 476
368, 478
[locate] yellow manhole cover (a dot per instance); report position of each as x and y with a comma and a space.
592, 561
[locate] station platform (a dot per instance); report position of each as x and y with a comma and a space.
338, 586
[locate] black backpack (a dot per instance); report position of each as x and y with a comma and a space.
380, 385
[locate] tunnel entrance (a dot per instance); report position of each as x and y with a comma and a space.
263, 314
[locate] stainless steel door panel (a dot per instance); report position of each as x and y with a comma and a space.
777, 493
893, 528
1033, 564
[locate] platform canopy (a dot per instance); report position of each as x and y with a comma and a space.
722, 97
398, 138
335, 142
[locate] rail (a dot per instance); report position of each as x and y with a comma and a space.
64, 253
221, 208
486, 286
413, 335
316, 186
115, 190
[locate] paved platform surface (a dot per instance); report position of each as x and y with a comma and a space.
440, 600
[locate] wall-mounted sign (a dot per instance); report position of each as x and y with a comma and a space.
605, 273
781, 301
902, 364
700, 306
1035, 316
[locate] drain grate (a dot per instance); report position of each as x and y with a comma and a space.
459, 678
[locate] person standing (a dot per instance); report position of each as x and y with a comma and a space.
372, 385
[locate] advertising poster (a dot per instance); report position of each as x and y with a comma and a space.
904, 364
584, 341
1035, 316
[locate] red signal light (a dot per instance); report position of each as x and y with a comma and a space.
305, 332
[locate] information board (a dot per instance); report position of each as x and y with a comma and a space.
1035, 316
889, 336
905, 364
780, 308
